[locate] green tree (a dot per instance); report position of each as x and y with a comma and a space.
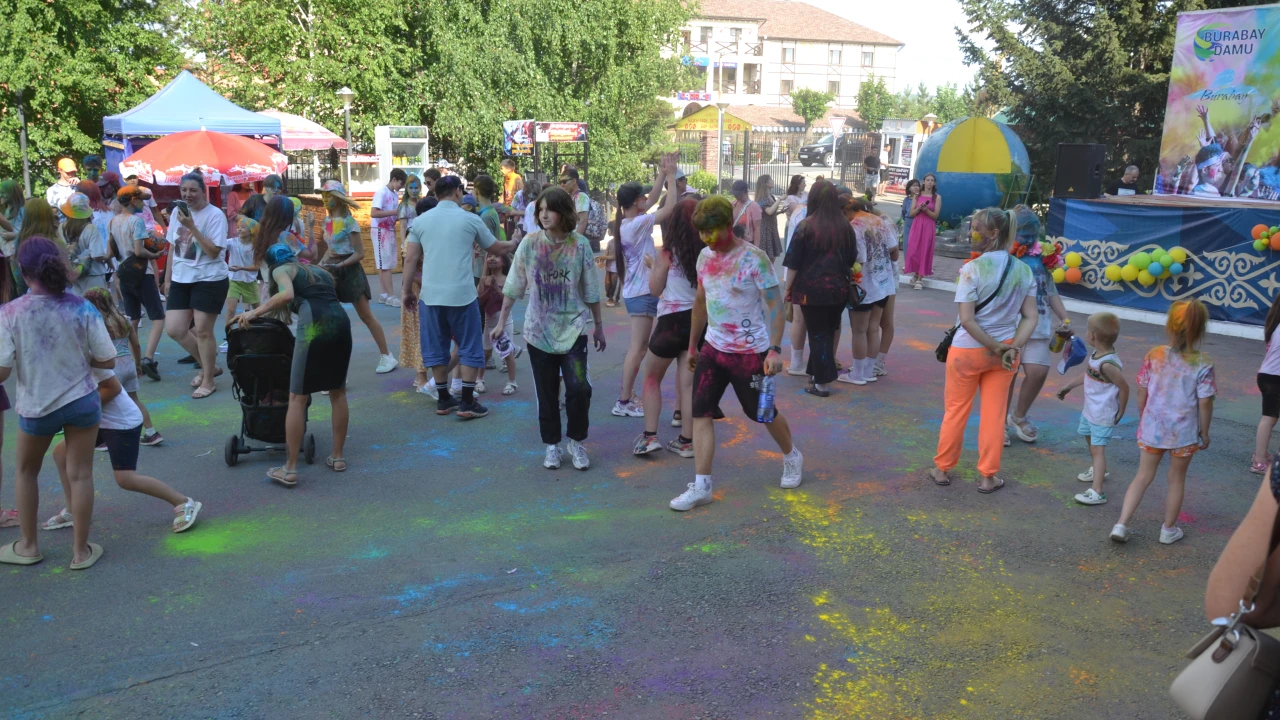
1072, 72
810, 104
875, 102
950, 103
75, 61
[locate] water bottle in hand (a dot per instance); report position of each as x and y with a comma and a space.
765, 411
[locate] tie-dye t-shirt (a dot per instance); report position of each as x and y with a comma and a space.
560, 279
979, 278
877, 237
733, 283
338, 232
1175, 385
49, 342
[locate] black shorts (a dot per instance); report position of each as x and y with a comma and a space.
866, 307
122, 447
718, 370
206, 297
145, 295
671, 335
1269, 386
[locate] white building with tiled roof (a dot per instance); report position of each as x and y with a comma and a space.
755, 52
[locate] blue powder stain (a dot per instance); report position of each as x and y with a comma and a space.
372, 554
47, 618
438, 447
544, 607
416, 594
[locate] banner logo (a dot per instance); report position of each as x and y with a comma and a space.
1217, 39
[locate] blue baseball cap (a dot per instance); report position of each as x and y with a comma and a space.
469, 199
1073, 354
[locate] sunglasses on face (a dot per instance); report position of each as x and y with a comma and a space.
565, 181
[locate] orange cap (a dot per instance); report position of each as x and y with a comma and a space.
67, 165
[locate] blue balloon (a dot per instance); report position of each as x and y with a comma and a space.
1176, 268
1156, 269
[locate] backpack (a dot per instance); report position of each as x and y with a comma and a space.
597, 225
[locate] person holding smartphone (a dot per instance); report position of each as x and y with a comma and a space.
196, 278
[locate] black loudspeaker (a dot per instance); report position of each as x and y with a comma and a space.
1079, 172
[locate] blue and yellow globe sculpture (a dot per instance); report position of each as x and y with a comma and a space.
970, 157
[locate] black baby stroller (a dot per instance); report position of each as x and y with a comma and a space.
259, 358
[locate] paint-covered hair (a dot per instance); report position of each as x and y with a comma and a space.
996, 222
1186, 325
42, 261
38, 220
117, 325
680, 239
91, 191
714, 213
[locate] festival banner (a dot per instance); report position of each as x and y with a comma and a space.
1221, 135
560, 132
517, 137
1235, 281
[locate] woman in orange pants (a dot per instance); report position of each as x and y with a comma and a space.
996, 294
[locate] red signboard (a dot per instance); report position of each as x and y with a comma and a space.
560, 132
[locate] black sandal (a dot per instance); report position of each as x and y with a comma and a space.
813, 390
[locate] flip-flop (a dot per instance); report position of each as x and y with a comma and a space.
334, 462
201, 393
9, 555
939, 482
95, 553
281, 476
997, 487
9, 518
816, 392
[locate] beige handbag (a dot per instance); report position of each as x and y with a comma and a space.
1233, 669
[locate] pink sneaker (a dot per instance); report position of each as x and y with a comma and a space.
1258, 468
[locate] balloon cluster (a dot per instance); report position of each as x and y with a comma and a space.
1146, 268
1071, 273
1266, 237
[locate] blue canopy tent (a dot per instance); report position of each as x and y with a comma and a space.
184, 104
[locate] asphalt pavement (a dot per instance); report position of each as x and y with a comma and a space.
446, 574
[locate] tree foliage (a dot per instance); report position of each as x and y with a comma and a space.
459, 68
75, 61
1068, 71
810, 104
875, 102
948, 103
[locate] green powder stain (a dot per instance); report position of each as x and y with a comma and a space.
710, 548
424, 522
233, 537
581, 516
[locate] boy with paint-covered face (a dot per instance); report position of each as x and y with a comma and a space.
740, 307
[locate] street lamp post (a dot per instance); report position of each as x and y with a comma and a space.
721, 106
22, 144
347, 94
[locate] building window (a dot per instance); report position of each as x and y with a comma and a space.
785, 87
704, 34
868, 58
736, 36
833, 57
833, 87
788, 55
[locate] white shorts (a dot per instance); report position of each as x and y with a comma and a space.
489, 322
385, 252
1036, 352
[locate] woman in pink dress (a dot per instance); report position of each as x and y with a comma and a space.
924, 231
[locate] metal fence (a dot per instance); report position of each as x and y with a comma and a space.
308, 169
747, 156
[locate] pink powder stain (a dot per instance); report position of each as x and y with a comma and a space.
1186, 517
931, 313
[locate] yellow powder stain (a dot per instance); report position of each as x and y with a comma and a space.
769, 454
921, 345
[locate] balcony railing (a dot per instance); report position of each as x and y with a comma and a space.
697, 48
727, 48
756, 49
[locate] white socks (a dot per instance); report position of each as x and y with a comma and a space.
880, 357
795, 453
797, 357
704, 481
455, 385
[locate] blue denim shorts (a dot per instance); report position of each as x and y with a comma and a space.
82, 413
440, 324
1097, 434
642, 305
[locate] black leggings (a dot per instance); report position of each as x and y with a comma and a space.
547, 371
822, 322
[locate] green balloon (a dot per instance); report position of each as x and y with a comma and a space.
1259, 245
1141, 260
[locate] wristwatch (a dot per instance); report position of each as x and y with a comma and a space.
775, 348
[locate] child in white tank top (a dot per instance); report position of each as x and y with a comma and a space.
1106, 393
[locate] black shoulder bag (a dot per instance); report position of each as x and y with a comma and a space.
944, 347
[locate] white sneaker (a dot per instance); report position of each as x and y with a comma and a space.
1120, 533
223, 347
579, 453
630, 408
868, 367
692, 498
792, 469
880, 369
386, 364
1169, 537
382, 299
1087, 475
552, 460
480, 387
393, 301
851, 377
429, 391
646, 444
1089, 497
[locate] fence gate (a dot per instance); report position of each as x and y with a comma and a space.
770, 155
848, 159
308, 169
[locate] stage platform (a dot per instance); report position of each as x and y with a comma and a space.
1236, 282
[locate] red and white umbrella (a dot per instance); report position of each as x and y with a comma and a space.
220, 157
303, 134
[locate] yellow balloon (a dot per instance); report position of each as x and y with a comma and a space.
1074, 259
1059, 275
1166, 274
1129, 273
1146, 279
1178, 254
1114, 273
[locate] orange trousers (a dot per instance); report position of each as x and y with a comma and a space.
971, 371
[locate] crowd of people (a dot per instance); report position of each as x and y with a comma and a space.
87, 260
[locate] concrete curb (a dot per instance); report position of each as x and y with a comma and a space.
1226, 329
